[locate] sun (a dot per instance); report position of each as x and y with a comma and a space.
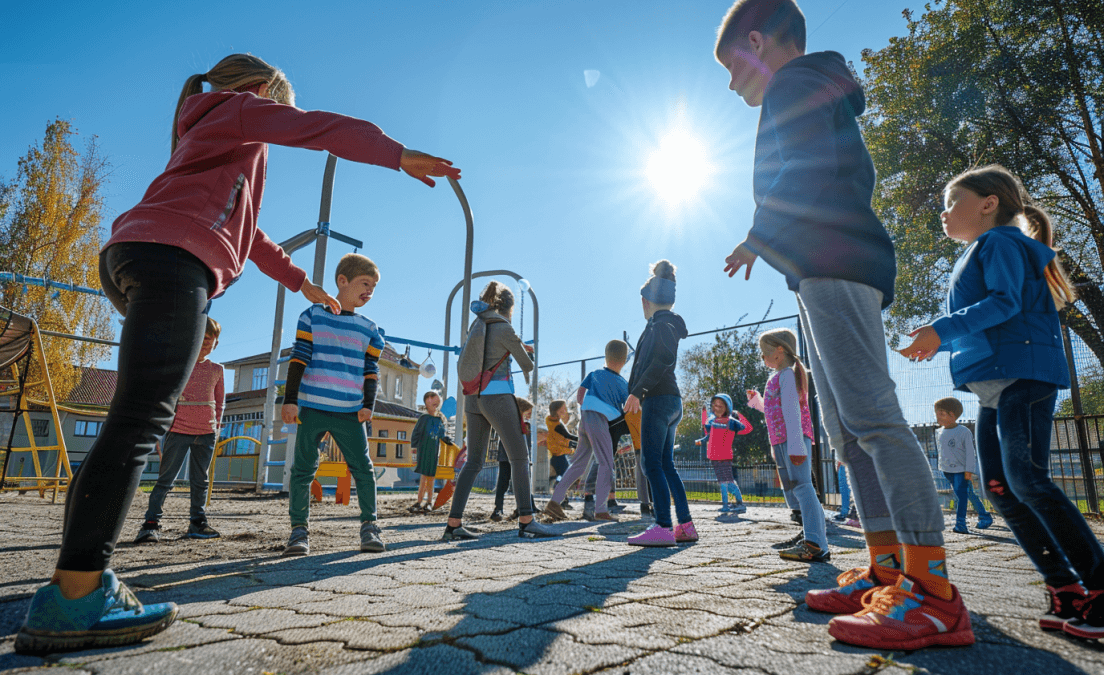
679, 168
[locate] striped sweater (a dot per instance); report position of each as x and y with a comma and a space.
335, 361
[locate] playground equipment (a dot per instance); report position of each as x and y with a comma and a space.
20, 342
334, 466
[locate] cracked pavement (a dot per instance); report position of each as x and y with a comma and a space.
581, 603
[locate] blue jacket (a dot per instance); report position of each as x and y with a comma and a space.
1001, 321
814, 179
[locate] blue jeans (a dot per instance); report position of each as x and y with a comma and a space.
659, 420
844, 490
1014, 448
964, 492
174, 448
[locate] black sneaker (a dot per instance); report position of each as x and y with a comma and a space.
201, 531
534, 530
1062, 607
614, 507
1090, 625
459, 533
566, 504
646, 511
149, 534
298, 542
370, 541
795, 516
792, 541
497, 515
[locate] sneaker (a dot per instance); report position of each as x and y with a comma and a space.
654, 536
370, 541
984, 523
566, 505
792, 541
725, 509
460, 533
795, 516
901, 617
646, 511
685, 533
149, 534
416, 507
616, 508
201, 531
960, 529
588, 511
847, 597
1090, 625
513, 515
840, 517
739, 507
1062, 608
606, 516
554, 511
110, 616
497, 516
806, 551
534, 530
298, 542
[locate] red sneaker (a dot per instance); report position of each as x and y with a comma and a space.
848, 597
899, 617
1064, 606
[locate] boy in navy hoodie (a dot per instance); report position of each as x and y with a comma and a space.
814, 223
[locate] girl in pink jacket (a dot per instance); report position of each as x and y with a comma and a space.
721, 425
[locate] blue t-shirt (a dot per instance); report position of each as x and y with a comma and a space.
606, 392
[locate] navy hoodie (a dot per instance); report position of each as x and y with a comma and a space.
814, 180
653, 371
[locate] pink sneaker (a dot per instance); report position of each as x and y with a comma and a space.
685, 533
654, 536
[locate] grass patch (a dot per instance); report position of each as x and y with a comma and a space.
592, 608
595, 538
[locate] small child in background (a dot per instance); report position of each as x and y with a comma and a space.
958, 462
721, 429
1006, 285
194, 431
426, 439
505, 471
790, 428
560, 441
601, 396
331, 388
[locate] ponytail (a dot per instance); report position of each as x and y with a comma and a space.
787, 340
192, 86
1036, 224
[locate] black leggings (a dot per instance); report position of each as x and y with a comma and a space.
162, 291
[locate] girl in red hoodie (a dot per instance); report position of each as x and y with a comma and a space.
182, 245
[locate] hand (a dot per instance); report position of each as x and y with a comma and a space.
632, 404
752, 394
317, 295
969, 476
740, 257
528, 348
420, 165
798, 460
364, 415
924, 345
289, 413
697, 442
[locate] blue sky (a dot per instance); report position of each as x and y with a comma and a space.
556, 171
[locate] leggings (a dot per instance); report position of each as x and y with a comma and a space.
162, 291
501, 412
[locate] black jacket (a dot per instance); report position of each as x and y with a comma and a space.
653, 371
814, 179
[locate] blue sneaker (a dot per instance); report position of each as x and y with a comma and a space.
739, 507
108, 617
984, 523
726, 508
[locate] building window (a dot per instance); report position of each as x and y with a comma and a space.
400, 447
84, 428
260, 378
381, 448
40, 428
398, 388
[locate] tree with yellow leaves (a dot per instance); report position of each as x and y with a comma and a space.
50, 227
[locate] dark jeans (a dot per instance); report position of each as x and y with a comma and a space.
1014, 448
560, 463
174, 449
964, 492
162, 291
504, 475
658, 424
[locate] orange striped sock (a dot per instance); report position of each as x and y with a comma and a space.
928, 565
886, 561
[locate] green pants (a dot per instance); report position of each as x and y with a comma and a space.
349, 435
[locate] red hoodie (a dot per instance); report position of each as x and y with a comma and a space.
207, 200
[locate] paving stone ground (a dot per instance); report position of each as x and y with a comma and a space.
584, 602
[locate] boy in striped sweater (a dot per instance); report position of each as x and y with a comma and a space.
331, 387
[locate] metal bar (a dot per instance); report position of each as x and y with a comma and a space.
469, 221
270, 390
1087, 470
427, 345
346, 239
80, 338
47, 283
323, 231
743, 325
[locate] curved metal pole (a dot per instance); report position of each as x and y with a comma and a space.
467, 294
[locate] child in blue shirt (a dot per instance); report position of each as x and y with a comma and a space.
601, 396
331, 388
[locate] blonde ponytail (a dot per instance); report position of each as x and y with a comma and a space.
1036, 224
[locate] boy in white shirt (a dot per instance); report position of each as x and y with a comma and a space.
958, 462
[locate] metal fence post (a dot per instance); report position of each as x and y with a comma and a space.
1087, 472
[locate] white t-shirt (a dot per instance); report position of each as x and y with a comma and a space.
956, 450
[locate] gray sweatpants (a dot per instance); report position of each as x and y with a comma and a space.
892, 482
594, 439
501, 412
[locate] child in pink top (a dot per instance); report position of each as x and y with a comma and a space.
721, 427
194, 432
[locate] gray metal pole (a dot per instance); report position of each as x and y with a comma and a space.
270, 395
469, 245
319, 276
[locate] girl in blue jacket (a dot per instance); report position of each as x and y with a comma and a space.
1003, 333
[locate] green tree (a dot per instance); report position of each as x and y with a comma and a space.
731, 364
977, 81
50, 227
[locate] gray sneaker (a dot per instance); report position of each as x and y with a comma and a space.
534, 530
370, 541
461, 533
298, 542
201, 531
149, 534
588, 510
